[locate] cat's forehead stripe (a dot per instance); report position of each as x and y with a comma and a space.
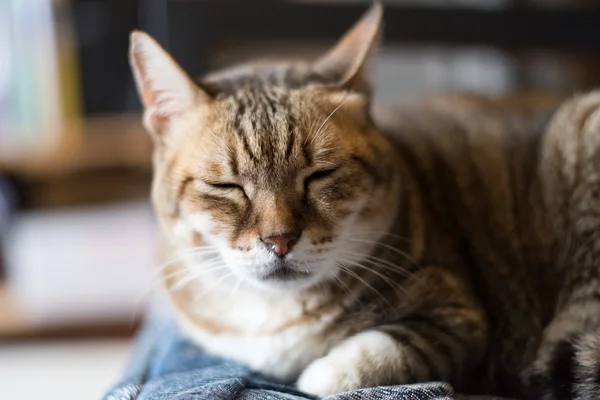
246, 147
291, 137
262, 115
265, 126
233, 162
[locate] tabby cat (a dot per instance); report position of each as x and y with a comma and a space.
335, 247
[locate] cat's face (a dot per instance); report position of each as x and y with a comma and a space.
284, 192
279, 174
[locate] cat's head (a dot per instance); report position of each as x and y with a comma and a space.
277, 169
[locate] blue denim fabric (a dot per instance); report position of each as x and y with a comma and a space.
165, 366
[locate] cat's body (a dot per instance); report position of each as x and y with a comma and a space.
474, 168
458, 246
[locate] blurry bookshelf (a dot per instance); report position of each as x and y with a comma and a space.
87, 266
76, 230
60, 87
39, 104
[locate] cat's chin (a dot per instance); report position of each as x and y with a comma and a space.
283, 273
286, 280
280, 274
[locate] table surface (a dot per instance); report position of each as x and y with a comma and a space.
65, 370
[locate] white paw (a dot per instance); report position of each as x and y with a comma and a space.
323, 378
364, 360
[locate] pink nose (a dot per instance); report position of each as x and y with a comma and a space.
281, 244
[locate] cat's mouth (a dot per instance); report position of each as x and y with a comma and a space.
284, 273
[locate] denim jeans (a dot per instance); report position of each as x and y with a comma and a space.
165, 366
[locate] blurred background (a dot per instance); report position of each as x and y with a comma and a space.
77, 236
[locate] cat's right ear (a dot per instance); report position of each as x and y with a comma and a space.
165, 90
348, 62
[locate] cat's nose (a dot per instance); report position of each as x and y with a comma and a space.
281, 244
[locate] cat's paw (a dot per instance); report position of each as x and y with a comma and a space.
565, 367
324, 377
364, 360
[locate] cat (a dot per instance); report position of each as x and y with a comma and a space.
337, 247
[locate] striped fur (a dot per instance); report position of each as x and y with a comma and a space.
453, 239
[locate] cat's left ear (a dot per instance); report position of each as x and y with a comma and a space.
165, 90
347, 63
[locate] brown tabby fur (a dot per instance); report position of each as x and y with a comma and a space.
487, 279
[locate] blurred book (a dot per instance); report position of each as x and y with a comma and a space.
82, 266
8, 206
39, 93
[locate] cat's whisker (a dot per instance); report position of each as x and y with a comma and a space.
393, 266
182, 284
222, 143
141, 298
385, 246
185, 257
394, 285
332, 113
181, 280
160, 276
392, 269
187, 270
237, 285
163, 275
379, 262
195, 250
383, 233
181, 256
347, 288
357, 277
192, 277
212, 287
309, 139
202, 247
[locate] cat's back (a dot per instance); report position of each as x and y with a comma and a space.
472, 165
474, 161
450, 123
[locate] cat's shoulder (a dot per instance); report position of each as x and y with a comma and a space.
449, 115
458, 105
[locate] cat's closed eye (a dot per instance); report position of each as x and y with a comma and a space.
226, 187
320, 175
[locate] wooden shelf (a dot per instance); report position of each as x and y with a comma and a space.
15, 326
115, 141
12, 322
194, 29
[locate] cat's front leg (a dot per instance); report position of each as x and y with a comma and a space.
567, 366
438, 340
368, 359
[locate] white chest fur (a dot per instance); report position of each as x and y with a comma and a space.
278, 337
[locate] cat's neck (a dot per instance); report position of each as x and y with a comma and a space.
215, 307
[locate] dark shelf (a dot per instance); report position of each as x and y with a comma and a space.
196, 27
